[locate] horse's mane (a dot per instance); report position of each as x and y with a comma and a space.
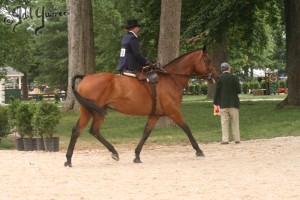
181, 57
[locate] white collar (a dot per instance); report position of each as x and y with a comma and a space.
133, 33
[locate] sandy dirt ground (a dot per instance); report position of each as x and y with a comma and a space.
256, 169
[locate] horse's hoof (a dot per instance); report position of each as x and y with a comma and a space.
68, 164
137, 160
115, 156
200, 154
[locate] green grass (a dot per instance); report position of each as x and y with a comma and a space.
258, 119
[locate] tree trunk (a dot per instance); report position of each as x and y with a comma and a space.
80, 44
169, 36
88, 37
218, 55
292, 20
24, 81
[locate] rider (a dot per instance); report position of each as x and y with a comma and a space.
130, 55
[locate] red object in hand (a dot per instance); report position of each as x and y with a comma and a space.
216, 110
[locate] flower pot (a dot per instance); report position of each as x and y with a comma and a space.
51, 144
48, 144
40, 144
34, 144
19, 144
28, 144
55, 144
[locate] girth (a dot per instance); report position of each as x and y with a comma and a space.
152, 79
152, 94
144, 78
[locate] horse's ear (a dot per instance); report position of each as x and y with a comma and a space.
204, 49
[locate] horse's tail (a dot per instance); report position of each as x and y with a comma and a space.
87, 103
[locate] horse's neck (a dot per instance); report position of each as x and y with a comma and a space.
180, 72
183, 66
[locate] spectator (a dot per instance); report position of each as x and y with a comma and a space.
226, 97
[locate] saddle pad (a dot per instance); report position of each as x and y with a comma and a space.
129, 74
141, 77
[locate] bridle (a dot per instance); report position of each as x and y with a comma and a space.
209, 70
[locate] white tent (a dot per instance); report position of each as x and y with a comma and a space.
258, 73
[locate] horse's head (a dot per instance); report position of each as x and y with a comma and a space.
204, 67
194, 62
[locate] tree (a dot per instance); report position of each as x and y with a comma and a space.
148, 13
248, 29
80, 44
108, 31
292, 18
16, 44
169, 35
51, 61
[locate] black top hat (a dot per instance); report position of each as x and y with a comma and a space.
132, 23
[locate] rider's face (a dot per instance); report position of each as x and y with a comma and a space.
136, 29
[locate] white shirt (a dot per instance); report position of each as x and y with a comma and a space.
133, 33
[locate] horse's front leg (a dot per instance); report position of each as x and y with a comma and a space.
178, 119
148, 128
195, 145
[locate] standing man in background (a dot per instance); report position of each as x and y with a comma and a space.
226, 97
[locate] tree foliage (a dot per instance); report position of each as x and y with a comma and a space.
107, 29
51, 49
253, 31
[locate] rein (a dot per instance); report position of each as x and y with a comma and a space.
208, 75
193, 75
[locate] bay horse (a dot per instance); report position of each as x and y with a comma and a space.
98, 92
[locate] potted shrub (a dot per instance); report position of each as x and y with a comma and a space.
44, 120
12, 110
4, 126
23, 116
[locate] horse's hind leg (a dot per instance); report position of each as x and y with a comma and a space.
178, 119
95, 131
81, 123
148, 128
74, 136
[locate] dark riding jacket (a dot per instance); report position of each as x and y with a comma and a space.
227, 91
130, 55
